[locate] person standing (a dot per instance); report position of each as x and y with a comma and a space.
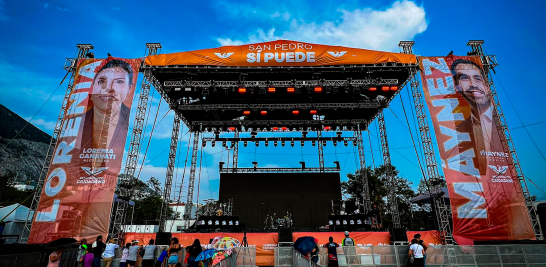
55, 258
424, 245
133, 254
161, 258
376, 217
149, 254
87, 259
349, 249
332, 252
417, 252
124, 255
82, 248
109, 253
315, 252
173, 252
98, 246
195, 250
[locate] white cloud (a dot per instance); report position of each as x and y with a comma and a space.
46, 126
46, 5
362, 28
61, 8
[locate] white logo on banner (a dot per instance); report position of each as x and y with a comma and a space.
94, 171
500, 177
337, 53
499, 169
223, 55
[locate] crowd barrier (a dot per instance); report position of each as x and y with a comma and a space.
437, 256
37, 259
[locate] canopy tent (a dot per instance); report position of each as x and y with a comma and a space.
279, 53
425, 197
15, 221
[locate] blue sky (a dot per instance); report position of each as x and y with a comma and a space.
37, 36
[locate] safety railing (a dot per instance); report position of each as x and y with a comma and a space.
37, 259
245, 257
436, 256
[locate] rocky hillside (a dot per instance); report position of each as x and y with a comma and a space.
21, 152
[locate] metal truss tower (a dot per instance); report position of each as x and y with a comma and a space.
170, 172
70, 65
125, 184
189, 202
320, 150
235, 152
393, 203
363, 172
489, 63
432, 178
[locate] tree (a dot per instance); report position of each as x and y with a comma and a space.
379, 190
155, 185
423, 188
148, 210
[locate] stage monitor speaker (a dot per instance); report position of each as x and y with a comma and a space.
285, 235
163, 238
399, 234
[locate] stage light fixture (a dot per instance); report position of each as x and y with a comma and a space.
177, 89
354, 142
313, 111
224, 222
292, 143
338, 222
213, 144
394, 88
241, 90
209, 222
246, 112
344, 222
345, 143
266, 142
257, 143
373, 89
271, 89
284, 128
232, 128
296, 112
302, 143
230, 223
330, 222
385, 88
275, 128
334, 142
314, 143
318, 89
327, 128
217, 222
187, 89
204, 144
245, 143
224, 143
236, 222
263, 112
290, 89
275, 143
282, 143
324, 143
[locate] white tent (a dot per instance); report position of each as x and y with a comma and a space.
14, 217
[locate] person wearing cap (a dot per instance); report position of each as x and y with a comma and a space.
349, 249
424, 245
332, 252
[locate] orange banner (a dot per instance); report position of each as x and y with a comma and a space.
486, 198
279, 53
79, 187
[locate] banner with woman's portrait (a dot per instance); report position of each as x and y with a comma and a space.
78, 191
485, 195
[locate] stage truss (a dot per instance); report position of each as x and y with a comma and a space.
182, 106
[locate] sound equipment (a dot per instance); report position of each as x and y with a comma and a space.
347, 222
399, 234
163, 238
285, 236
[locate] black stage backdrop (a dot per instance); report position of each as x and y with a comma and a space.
307, 196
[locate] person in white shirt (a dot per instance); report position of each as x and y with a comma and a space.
133, 254
418, 253
149, 254
109, 252
124, 255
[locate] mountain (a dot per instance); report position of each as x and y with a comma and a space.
22, 149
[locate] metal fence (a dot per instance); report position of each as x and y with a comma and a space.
300, 261
38, 259
245, 256
437, 256
229, 261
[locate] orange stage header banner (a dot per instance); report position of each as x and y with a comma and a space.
279, 53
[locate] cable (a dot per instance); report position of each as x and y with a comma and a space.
150, 139
371, 150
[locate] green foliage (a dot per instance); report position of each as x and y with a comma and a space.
12, 196
379, 189
147, 210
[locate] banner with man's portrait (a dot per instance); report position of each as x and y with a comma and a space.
78, 191
486, 198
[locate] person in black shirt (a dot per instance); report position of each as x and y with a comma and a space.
332, 252
375, 214
98, 247
195, 249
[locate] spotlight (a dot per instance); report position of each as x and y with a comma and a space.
318, 89
302, 143
257, 143
314, 143
284, 128
204, 144
224, 143
394, 88
313, 111
271, 90
275, 143
213, 143
327, 128
292, 143
282, 143
290, 89
275, 128
241, 90
266, 142
373, 89
295, 112
246, 112
334, 142
354, 142
245, 143
263, 112
232, 128
345, 142
385, 88
323, 143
